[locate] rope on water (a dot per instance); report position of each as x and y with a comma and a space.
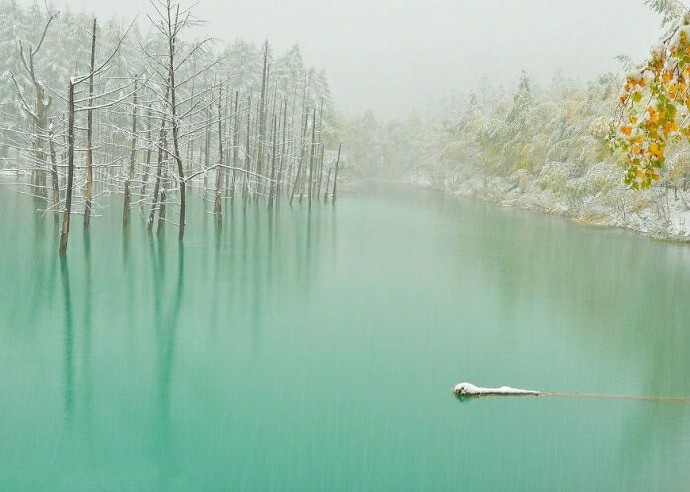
567, 394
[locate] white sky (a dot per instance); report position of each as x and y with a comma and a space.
394, 56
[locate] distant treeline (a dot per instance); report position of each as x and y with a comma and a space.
538, 147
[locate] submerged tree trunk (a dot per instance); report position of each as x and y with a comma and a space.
301, 157
162, 144
147, 165
320, 152
217, 207
283, 155
161, 212
159, 172
328, 181
262, 112
64, 235
311, 156
335, 177
54, 174
163, 196
89, 134
271, 187
172, 41
132, 159
247, 154
207, 146
235, 143
41, 137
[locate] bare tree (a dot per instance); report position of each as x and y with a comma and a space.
169, 22
132, 158
72, 108
38, 114
217, 207
89, 134
64, 233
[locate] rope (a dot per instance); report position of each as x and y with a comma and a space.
667, 399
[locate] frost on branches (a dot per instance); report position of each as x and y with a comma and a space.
655, 109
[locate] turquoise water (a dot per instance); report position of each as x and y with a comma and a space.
300, 351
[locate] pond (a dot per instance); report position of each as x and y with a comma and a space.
317, 351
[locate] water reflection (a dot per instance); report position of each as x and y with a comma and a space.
610, 287
614, 298
68, 338
284, 348
166, 325
87, 328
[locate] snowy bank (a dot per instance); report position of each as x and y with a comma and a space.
594, 197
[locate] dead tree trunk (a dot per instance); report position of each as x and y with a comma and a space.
132, 160
162, 144
89, 133
218, 207
262, 112
301, 157
190, 142
283, 155
164, 195
335, 177
173, 29
207, 146
328, 181
159, 172
271, 186
311, 156
319, 150
54, 174
39, 114
235, 142
161, 212
64, 235
147, 165
247, 154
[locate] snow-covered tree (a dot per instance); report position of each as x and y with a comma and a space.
654, 108
669, 10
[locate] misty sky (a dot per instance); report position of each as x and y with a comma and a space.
395, 56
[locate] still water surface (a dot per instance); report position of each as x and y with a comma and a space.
318, 352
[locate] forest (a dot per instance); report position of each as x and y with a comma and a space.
92, 108
239, 118
557, 148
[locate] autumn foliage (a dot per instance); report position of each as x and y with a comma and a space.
654, 109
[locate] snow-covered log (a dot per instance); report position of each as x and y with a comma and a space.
469, 390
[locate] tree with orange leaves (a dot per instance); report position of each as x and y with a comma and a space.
654, 108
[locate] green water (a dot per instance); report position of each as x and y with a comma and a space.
318, 352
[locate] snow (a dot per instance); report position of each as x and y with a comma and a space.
658, 51
596, 198
468, 389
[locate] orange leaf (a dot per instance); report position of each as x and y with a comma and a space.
671, 127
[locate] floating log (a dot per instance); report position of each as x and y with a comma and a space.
469, 390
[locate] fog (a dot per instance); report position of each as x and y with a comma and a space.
394, 57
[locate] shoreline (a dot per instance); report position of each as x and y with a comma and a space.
598, 198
